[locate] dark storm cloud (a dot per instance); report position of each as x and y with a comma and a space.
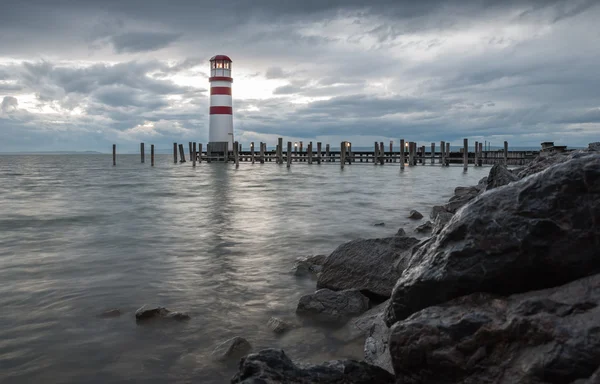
142, 41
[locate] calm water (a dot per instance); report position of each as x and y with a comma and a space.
78, 236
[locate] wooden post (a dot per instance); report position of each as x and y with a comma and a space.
342, 154
432, 153
296, 151
442, 148
410, 153
375, 154
300, 159
194, 154
152, 155
401, 153
190, 151
289, 154
391, 150
199, 152
280, 153
318, 152
262, 153
465, 154
181, 154
349, 152
142, 152
327, 155
114, 154
252, 152
381, 153
447, 157
475, 154
310, 153
175, 153
480, 154
423, 155
506, 153
236, 154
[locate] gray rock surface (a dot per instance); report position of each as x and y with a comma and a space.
367, 265
499, 176
535, 233
401, 232
279, 325
148, 313
547, 336
359, 327
462, 196
328, 305
376, 344
310, 265
233, 348
427, 227
594, 146
272, 366
414, 214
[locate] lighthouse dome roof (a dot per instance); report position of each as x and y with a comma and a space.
220, 57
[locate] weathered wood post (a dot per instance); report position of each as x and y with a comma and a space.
432, 153
480, 154
349, 152
375, 153
342, 154
289, 154
506, 153
423, 155
194, 154
401, 154
280, 152
318, 152
442, 149
475, 153
190, 151
327, 154
447, 158
410, 153
252, 151
142, 152
181, 154
199, 152
236, 154
175, 153
114, 154
152, 155
381, 153
261, 156
301, 158
465, 154
310, 153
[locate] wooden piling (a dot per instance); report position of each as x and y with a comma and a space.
318, 152
391, 151
289, 154
175, 153
447, 157
410, 153
442, 149
190, 151
280, 152
422, 155
142, 152
506, 153
349, 152
301, 159
181, 154
401, 154
236, 154
194, 154
343, 153
310, 153
381, 153
432, 153
114, 154
327, 155
252, 152
476, 153
262, 153
375, 153
199, 152
465, 154
480, 154
152, 155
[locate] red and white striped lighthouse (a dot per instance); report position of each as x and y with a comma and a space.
220, 129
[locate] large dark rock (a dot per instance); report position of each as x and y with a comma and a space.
328, 305
499, 176
547, 336
273, 366
462, 196
366, 265
310, 265
233, 348
594, 146
416, 215
535, 233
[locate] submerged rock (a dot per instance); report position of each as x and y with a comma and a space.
233, 348
310, 265
535, 233
379, 225
278, 325
148, 313
499, 176
110, 313
367, 265
273, 366
547, 336
414, 214
328, 305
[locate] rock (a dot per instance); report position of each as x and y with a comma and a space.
594, 146
547, 336
148, 313
360, 327
273, 366
328, 305
436, 211
482, 184
401, 232
415, 215
428, 226
309, 265
541, 163
539, 232
440, 218
366, 265
110, 313
233, 348
499, 176
278, 325
379, 225
462, 196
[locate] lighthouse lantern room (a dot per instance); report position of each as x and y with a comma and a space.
220, 131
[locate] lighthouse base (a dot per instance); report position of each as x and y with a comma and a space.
218, 151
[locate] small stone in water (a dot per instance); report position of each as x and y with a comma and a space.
278, 325
145, 313
110, 313
380, 224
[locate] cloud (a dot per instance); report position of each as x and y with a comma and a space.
9, 104
142, 41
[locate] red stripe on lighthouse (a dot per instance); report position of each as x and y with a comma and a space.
220, 91
220, 78
221, 111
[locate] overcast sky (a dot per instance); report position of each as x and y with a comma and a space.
82, 74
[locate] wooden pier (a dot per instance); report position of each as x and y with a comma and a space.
406, 154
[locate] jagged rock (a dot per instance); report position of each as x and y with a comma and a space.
541, 163
499, 176
414, 214
278, 325
462, 196
379, 225
328, 305
535, 233
309, 265
360, 327
428, 226
594, 146
547, 336
401, 232
366, 265
440, 218
110, 313
376, 342
233, 348
148, 313
273, 366
482, 184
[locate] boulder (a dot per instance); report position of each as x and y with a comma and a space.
546, 336
376, 342
427, 227
539, 232
233, 348
462, 196
149, 313
366, 265
416, 215
278, 325
310, 265
273, 366
595, 147
328, 305
499, 176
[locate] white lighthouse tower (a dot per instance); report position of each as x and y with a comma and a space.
220, 131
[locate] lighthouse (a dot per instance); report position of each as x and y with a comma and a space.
220, 131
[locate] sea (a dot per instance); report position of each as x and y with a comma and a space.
79, 236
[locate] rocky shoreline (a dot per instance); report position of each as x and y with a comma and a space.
506, 288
